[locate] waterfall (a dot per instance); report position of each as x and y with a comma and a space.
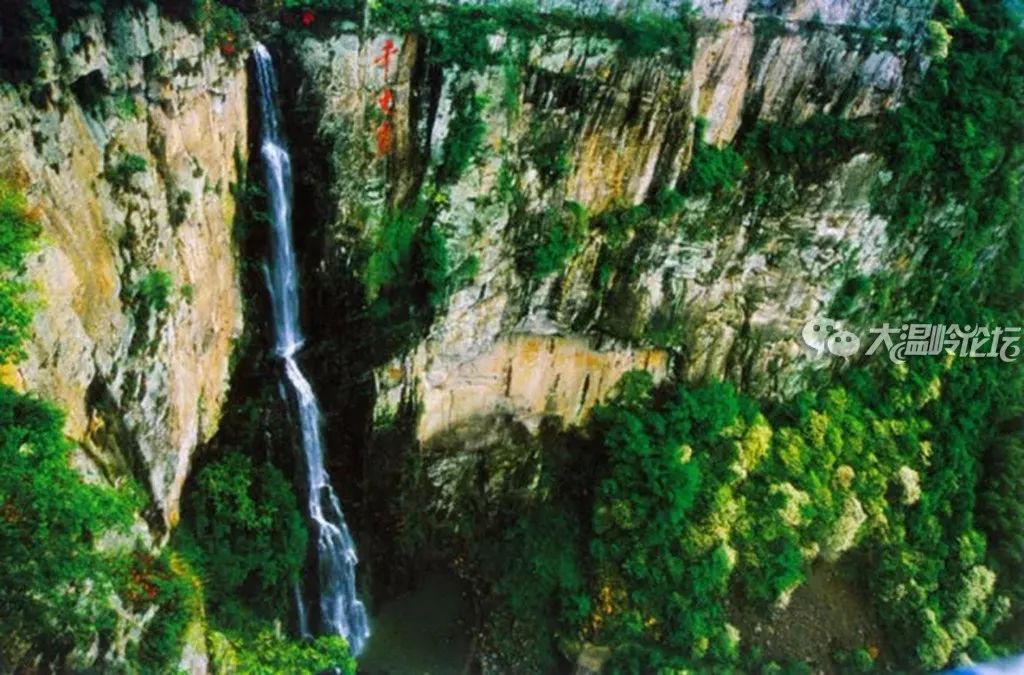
340, 610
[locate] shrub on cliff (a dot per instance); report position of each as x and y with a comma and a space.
712, 169
164, 581
55, 583
18, 233
153, 292
120, 172
466, 133
558, 236
244, 533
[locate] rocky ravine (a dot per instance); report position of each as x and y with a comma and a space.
141, 96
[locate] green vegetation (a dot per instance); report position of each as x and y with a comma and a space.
57, 582
459, 34
407, 274
712, 169
153, 292
224, 26
512, 82
245, 536
1002, 516
49, 520
149, 299
120, 173
178, 203
856, 661
558, 235
549, 151
338, 6
465, 135
392, 254
957, 140
27, 27
676, 498
806, 151
167, 582
268, 653
126, 107
18, 233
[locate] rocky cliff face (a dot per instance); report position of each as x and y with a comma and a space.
127, 152
870, 13
129, 146
722, 290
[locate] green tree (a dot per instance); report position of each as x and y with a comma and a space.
244, 532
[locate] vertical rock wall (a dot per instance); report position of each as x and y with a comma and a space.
127, 153
737, 277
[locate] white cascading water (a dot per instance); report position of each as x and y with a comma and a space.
341, 611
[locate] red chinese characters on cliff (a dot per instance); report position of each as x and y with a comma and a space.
386, 101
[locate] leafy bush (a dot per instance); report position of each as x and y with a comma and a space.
120, 174
269, 653
938, 40
856, 661
18, 233
166, 582
806, 150
153, 292
557, 237
712, 169
126, 107
223, 26
245, 535
549, 152
465, 134
55, 583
